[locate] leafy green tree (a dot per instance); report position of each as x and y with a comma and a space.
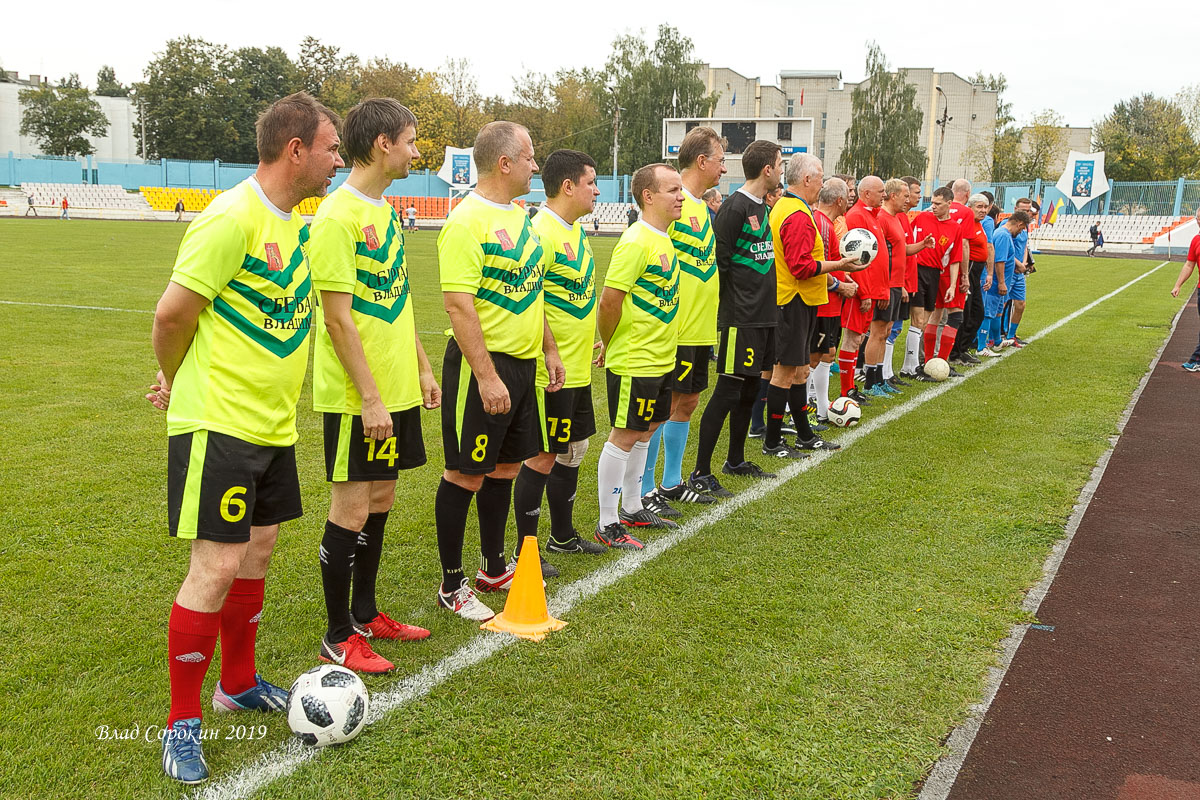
1044, 145
61, 118
187, 104
644, 81
560, 111
107, 84
259, 77
1146, 138
1003, 160
885, 123
465, 114
1188, 101
328, 75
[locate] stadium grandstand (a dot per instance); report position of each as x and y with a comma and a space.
162, 198
82, 195
1130, 233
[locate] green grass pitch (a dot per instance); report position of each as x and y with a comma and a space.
818, 644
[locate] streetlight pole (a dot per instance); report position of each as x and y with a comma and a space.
942, 141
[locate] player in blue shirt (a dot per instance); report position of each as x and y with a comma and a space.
996, 286
1015, 307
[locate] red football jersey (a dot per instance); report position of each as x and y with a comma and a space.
1194, 254
910, 269
896, 242
872, 281
825, 227
977, 242
947, 240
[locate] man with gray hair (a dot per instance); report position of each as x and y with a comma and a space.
802, 286
832, 203
873, 315
980, 257
491, 264
965, 217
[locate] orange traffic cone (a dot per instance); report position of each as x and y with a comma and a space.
525, 613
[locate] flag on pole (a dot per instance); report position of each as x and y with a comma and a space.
733, 101
1052, 214
675, 101
801, 97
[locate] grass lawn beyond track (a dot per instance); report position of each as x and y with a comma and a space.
819, 643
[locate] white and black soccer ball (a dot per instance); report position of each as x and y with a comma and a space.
844, 412
327, 705
937, 368
859, 242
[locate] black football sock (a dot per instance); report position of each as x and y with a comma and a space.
493, 501
777, 400
560, 497
366, 567
798, 397
723, 400
528, 489
450, 510
337, 565
739, 421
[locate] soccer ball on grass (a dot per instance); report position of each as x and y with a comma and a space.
327, 705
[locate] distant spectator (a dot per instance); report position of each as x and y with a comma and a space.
712, 199
772, 197
411, 213
532, 210
65, 205
179, 210
1097, 238
31, 208
633, 215
595, 223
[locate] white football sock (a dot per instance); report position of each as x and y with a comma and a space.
820, 379
631, 487
912, 349
888, 349
610, 475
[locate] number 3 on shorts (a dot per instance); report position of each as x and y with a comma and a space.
749, 362
480, 451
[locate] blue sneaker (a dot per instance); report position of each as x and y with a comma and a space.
261, 697
182, 758
887, 387
877, 391
1192, 366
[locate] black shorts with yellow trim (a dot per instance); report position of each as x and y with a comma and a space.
351, 455
746, 352
567, 415
691, 368
796, 333
829, 333
474, 440
635, 403
219, 485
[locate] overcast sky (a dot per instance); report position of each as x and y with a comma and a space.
1054, 57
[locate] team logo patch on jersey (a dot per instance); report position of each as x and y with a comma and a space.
695, 224
274, 259
372, 237
753, 220
569, 251
505, 240
666, 263
945, 240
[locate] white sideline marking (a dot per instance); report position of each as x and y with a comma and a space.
945, 772
289, 756
80, 308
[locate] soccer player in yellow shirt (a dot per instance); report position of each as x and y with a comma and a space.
492, 266
639, 323
370, 376
702, 163
567, 416
231, 338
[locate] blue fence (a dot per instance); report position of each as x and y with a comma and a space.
15, 170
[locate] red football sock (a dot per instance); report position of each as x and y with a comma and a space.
239, 627
947, 343
191, 640
930, 340
846, 359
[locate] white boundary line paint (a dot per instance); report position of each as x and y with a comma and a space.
79, 308
945, 772
289, 756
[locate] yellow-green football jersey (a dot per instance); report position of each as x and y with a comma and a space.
357, 247
570, 296
644, 266
491, 251
243, 372
699, 283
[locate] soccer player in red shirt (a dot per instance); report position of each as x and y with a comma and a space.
913, 311
1193, 258
874, 286
897, 247
980, 258
961, 213
937, 279
832, 202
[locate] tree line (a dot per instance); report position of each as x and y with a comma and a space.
198, 100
